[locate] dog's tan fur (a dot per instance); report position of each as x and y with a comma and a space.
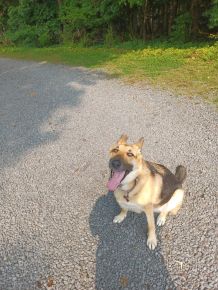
148, 188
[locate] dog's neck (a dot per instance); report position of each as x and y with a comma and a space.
137, 169
131, 179
128, 186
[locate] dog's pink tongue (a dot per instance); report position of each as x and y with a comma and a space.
115, 180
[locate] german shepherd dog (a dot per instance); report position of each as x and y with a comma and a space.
143, 186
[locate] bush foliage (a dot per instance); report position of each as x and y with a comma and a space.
43, 23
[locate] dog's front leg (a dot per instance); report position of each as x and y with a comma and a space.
121, 216
152, 240
136, 189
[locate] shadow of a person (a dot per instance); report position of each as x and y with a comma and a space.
123, 260
35, 100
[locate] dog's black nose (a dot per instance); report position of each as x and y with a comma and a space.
116, 163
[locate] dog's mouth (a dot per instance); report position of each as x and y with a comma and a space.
116, 178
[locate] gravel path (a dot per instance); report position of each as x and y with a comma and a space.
56, 231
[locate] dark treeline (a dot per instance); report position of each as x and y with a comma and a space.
45, 22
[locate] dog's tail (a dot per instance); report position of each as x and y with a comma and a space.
181, 173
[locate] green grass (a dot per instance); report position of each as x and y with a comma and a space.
190, 69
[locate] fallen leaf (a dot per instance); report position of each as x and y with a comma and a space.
39, 284
50, 282
123, 281
33, 94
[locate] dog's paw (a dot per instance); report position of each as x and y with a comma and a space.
152, 242
119, 218
161, 220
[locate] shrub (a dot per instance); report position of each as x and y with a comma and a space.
33, 24
181, 28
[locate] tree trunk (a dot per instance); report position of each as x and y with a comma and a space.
195, 15
166, 19
172, 14
59, 2
144, 21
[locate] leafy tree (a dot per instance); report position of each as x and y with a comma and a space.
213, 14
41, 23
33, 22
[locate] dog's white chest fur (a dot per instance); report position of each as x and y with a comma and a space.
131, 206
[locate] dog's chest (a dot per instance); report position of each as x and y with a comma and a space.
130, 206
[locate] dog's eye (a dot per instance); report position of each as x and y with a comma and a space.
115, 150
130, 154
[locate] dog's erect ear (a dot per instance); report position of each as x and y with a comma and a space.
140, 143
122, 139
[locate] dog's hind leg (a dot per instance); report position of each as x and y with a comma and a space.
121, 216
175, 210
162, 218
171, 207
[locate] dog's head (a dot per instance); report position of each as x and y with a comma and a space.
124, 159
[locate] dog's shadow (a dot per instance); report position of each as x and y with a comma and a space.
123, 260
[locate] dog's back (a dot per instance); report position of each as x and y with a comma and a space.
170, 182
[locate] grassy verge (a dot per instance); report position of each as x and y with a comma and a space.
190, 69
